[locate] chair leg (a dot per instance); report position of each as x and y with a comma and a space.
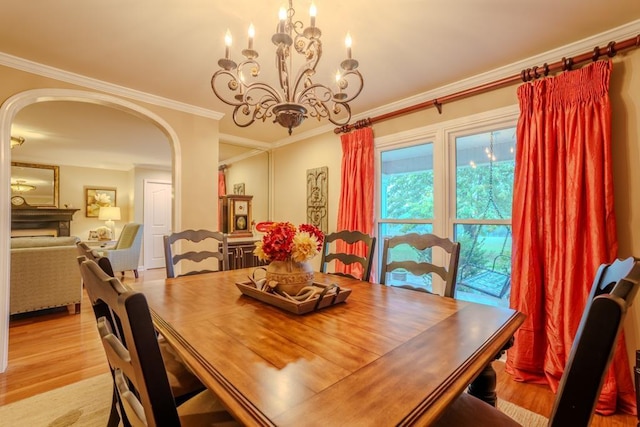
78, 308
135, 273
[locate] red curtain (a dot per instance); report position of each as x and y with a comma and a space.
222, 184
564, 225
355, 211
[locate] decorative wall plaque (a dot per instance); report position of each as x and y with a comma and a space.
317, 210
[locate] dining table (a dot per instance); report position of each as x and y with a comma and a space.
385, 356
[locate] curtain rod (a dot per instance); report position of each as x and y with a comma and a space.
526, 75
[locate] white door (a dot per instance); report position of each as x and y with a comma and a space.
157, 221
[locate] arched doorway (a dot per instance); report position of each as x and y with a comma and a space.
8, 111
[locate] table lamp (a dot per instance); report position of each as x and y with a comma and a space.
109, 214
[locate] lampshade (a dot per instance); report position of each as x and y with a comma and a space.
109, 213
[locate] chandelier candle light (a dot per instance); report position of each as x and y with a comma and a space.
296, 99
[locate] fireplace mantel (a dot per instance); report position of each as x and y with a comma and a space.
43, 219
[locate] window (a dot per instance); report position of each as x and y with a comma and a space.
468, 165
406, 200
484, 166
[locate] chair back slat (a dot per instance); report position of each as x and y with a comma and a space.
205, 242
421, 242
341, 246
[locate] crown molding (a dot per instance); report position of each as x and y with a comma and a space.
573, 49
602, 39
99, 85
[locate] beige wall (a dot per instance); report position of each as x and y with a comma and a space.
254, 173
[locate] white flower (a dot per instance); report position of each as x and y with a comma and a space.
103, 199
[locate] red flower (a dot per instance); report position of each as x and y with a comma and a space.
278, 241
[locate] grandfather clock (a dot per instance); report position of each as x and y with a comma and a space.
235, 215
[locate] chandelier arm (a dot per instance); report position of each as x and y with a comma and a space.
233, 81
261, 87
359, 82
320, 110
308, 69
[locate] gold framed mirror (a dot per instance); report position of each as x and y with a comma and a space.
37, 184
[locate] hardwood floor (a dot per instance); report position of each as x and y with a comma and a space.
55, 348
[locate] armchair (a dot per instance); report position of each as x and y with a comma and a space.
125, 255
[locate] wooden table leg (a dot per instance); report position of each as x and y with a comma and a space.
484, 386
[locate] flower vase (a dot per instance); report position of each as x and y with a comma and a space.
290, 276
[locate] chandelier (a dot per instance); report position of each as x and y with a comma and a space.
297, 97
21, 186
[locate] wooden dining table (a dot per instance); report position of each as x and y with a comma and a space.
385, 357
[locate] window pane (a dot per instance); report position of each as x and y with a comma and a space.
484, 175
407, 183
484, 269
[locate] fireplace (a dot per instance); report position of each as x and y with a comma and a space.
41, 221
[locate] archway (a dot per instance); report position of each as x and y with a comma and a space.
8, 111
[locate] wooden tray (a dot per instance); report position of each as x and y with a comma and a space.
295, 307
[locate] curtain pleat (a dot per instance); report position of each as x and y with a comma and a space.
355, 211
564, 224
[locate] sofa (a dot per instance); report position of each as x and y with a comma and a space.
44, 274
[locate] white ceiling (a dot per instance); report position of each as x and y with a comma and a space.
170, 49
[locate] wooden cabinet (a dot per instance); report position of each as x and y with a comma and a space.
241, 254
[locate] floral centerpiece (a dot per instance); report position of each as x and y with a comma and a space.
288, 249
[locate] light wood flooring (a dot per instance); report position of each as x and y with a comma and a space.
56, 348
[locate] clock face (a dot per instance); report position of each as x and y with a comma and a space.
241, 223
241, 207
17, 201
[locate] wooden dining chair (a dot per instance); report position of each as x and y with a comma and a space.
412, 253
612, 292
197, 246
340, 247
136, 361
184, 384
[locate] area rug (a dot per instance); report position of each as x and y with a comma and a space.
82, 404
523, 416
87, 404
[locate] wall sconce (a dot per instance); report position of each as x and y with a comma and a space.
16, 141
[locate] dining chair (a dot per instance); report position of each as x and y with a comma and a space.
197, 246
412, 253
136, 360
613, 290
125, 255
184, 384
340, 247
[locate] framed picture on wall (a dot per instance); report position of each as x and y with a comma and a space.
238, 189
96, 198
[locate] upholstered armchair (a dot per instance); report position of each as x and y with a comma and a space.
125, 255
